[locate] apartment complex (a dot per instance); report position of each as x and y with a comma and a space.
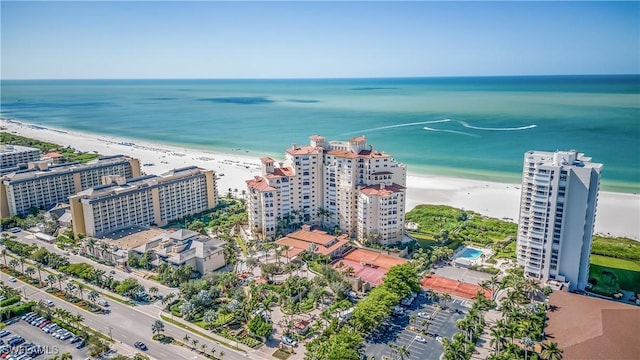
333, 184
146, 200
557, 216
14, 155
42, 184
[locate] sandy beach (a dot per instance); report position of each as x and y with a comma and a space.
618, 213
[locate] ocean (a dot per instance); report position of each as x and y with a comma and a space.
469, 127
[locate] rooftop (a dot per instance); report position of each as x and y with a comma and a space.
69, 167
260, 184
301, 240
305, 150
131, 236
378, 190
374, 258
607, 329
10, 148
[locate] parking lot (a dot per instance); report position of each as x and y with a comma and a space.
50, 346
395, 330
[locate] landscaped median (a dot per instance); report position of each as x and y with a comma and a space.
195, 331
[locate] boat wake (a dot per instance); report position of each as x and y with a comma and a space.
398, 125
450, 131
465, 124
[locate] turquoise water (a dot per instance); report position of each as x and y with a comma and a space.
470, 253
467, 127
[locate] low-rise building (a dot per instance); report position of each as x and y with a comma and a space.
313, 241
366, 268
173, 247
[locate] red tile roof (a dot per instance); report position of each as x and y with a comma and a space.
368, 257
358, 139
343, 153
284, 171
374, 190
302, 238
372, 154
266, 159
305, 150
260, 184
316, 137
590, 328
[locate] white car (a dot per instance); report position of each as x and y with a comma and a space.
439, 339
12, 279
424, 315
420, 339
49, 303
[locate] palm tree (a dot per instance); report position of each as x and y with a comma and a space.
186, 338
445, 297
22, 261
70, 288
39, 268
77, 319
203, 348
153, 290
51, 279
551, 351
312, 249
4, 255
97, 276
497, 338
13, 263
157, 327
104, 247
167, 299
92, 296
528, 344
81, 288
61, 277
30, 271
213, 352
194, 342
91, 244
402, 351
221, 354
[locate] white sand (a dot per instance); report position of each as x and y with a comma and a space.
618, 213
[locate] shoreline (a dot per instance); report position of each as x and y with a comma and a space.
617, 215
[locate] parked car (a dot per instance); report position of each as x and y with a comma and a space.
4, 333
424, 315
103, 302
420, 339
81, 344
12, 279
140, 345
49, 303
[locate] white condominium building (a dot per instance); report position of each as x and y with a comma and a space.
334, 184
147, 200
42, 184
557, 215
14, 155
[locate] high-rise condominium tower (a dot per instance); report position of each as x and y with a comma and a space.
557, 215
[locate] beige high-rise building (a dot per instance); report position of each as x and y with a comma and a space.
330, 183
14, 155
557, 216
42, 184
147, 200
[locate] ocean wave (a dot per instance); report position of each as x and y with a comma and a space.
450, 131
398, 125
465, 124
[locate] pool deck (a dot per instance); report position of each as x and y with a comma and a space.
477, 261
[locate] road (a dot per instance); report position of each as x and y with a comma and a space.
128, 324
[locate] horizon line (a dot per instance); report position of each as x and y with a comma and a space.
328, 78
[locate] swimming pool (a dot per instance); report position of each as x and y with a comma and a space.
470, 253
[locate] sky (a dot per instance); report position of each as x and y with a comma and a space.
211, 39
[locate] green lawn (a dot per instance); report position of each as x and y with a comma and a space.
627, 272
